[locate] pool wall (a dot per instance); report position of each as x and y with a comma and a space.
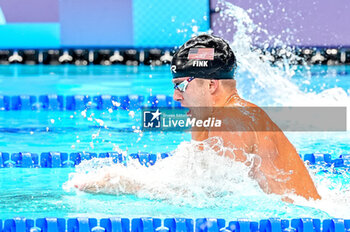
54, 24
164, 23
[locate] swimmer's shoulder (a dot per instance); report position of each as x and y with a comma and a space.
263, 121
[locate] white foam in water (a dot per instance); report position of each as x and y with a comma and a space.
203, 178
189, 177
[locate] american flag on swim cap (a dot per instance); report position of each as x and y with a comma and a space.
201, 54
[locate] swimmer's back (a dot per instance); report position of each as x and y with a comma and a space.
281, 165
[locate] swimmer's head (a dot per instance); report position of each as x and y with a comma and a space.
203, 74
204, 56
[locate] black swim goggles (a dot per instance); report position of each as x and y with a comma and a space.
183, 85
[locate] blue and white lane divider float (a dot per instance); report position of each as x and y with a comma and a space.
62, 159
82, 102
148, 224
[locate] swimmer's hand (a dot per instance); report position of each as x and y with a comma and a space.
93, 185
108, 184
287, 200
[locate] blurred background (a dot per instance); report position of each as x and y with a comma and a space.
41, 31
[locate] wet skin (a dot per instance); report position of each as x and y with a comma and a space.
275, 165
274, 162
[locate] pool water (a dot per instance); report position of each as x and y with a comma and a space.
208, 190
66, 131
36, 193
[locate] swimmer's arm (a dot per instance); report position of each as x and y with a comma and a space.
199, 135
280, 154
109, 185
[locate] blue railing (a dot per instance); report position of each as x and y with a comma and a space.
82, 102
62, 159
148, 224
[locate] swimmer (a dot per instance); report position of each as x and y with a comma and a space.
203, 76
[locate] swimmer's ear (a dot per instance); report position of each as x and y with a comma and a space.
213, 85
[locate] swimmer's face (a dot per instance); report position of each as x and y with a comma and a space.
194, 94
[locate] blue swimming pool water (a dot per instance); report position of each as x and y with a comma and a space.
39, 192
72, 80
143, 80
66, 132
66, 127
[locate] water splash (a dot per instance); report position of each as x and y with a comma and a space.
189, 177
260, 81
203, 180
2, 18
334, 187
